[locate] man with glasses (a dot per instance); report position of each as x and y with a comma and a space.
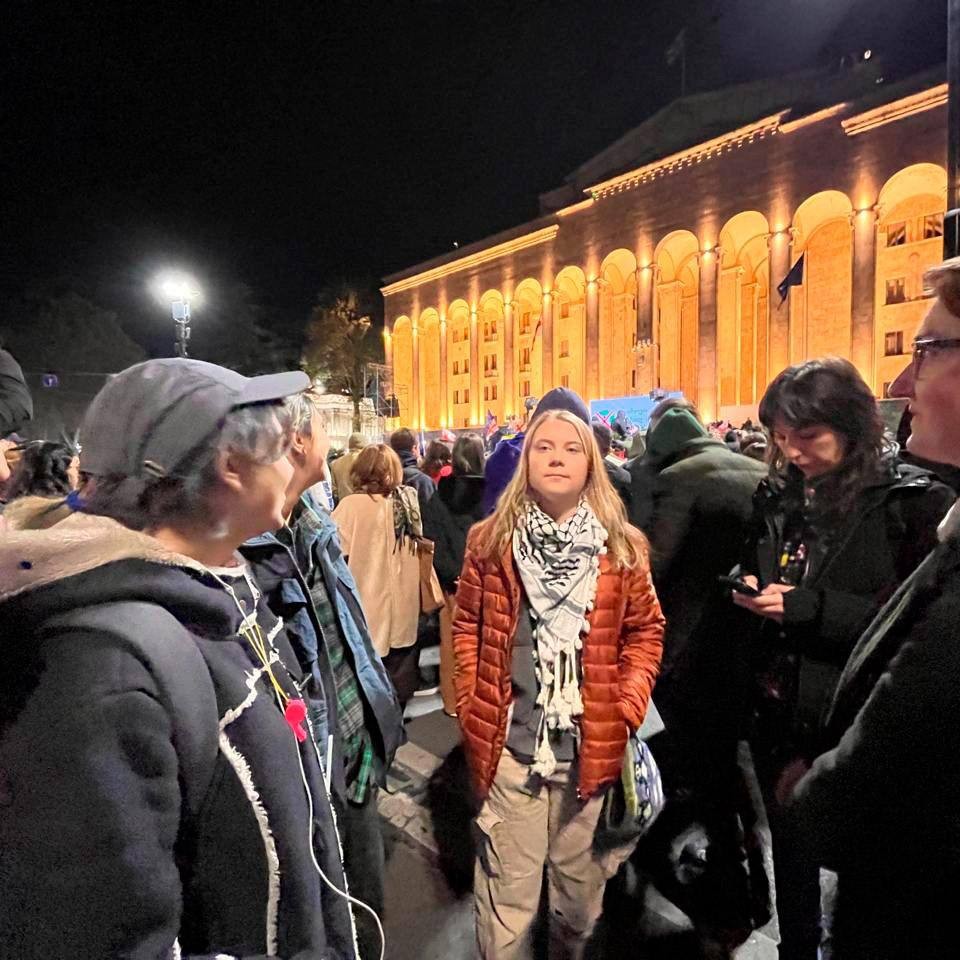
880, 808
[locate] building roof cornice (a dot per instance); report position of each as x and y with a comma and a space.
689, 156
896, 110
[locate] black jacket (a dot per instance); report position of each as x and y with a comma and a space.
701, 505
880, 807
449, 515
414, 477
890, 531
16, 404
620, 478
101, 854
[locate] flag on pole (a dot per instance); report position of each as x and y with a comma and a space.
491, 426
676, 49
793, 279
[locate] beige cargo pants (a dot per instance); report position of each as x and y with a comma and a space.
528, 823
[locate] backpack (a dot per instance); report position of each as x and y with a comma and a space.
156, 638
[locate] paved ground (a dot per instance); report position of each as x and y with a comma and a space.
429, 911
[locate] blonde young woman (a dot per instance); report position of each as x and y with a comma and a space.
557, 640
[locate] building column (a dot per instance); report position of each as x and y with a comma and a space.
778, 331
509, 361
415, 404
444, 399
864, 225
707, 328
388, 363
475, 402
592, 352
546, 335
645, 351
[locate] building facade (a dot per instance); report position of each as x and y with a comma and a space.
660, 270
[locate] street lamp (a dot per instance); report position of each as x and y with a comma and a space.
178, 290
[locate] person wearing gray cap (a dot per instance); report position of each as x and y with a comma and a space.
160, 795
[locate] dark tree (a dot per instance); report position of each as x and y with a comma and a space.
344, 334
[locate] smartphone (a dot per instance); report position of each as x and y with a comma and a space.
738, 586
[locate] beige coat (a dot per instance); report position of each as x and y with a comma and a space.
340, 474
388, 576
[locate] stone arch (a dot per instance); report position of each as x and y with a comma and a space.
431, 405
528, 341
458, 364
570, 328
910, 212
403, 367
676, 330
821, 307
742, 310
618, 322
491, 362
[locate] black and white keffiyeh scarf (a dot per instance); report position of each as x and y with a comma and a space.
559, 565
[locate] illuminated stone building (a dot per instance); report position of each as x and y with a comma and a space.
656, 264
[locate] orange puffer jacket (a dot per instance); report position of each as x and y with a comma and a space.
621, 658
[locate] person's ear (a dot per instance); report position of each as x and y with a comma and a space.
233, 470
297, 451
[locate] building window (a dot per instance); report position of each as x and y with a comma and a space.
465, 335
525, 321
493, 391
456, 396
933, 226
466, 366
466, 396
886, 389
893, 344
565, 380
466, 421
490, 364
525, 359
897, 234
896, 290
456, 368
633, 379
564, 309
486, 393
564, 348
525, 388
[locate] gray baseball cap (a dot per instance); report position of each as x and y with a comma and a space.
148, 418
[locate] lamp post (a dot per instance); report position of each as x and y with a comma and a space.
178, 290
951, 222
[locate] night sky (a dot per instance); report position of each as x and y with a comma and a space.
288, 144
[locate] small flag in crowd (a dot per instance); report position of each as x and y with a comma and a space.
793, 279
491, 425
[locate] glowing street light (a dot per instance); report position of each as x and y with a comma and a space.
178, 290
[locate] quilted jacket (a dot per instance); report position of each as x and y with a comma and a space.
621, 658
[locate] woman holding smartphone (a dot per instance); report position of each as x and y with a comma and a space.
557, 643
839, 524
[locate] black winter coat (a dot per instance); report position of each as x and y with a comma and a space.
456, 507
890, 531
414, 477
103, 853
701, 505
880, 807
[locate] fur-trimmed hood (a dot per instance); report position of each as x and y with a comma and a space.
36, 557
86, 560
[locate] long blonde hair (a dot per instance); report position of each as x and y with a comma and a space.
624, 544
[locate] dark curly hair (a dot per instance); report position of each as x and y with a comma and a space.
828, 391
43, 470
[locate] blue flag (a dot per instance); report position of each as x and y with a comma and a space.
793, 279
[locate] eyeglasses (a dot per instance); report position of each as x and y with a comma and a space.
926, 345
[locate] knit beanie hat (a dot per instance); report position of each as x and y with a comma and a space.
675, 428
562, 398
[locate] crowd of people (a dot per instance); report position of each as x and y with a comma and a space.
212, 628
